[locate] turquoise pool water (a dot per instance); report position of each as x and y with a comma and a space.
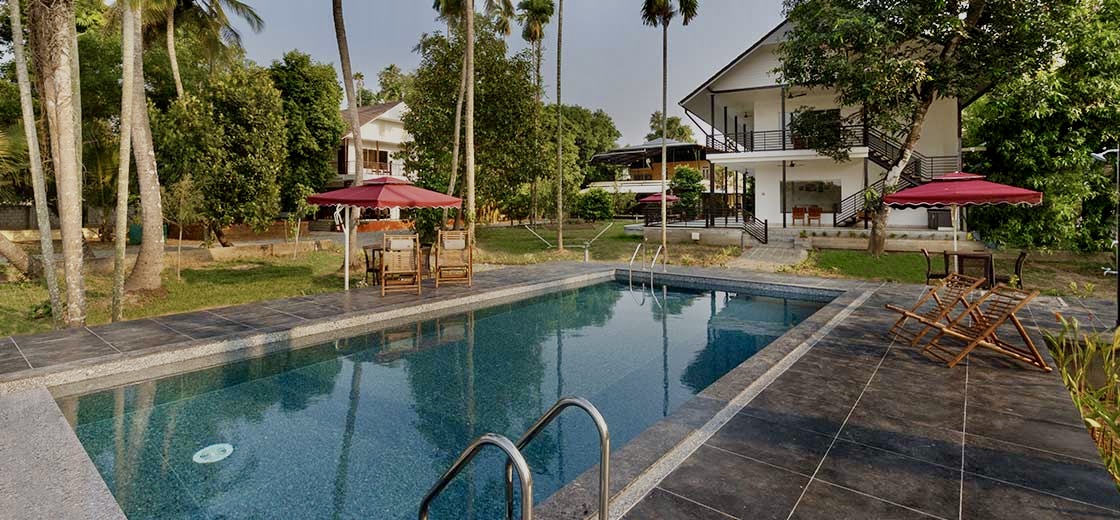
363, 426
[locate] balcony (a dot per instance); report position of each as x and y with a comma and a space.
779, 140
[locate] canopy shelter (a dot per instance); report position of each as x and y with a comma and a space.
378, 193
656, 199
958, 189
628, 155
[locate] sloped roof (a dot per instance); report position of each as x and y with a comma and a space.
769, 34
371, 112
630, 154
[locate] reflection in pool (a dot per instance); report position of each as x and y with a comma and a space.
362, 426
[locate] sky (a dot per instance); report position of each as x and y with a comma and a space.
610, 60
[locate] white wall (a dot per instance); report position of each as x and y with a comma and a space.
755, 70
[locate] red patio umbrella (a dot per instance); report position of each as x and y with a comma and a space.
379, 193
656, 198
961, 189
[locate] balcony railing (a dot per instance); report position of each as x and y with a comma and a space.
779, 140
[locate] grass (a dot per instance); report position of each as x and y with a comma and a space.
1091, 372
24, 308
1055, 274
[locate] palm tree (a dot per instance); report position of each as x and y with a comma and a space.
51, 38
38, 179
535, 15
352, 112
559, 131
658, 13
145, 275
209, 18
128, 58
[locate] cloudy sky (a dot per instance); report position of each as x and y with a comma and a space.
611, 60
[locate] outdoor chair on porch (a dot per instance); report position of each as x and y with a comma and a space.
930, 273
798, 214
400, 263
1018, 276
978, 326
933, 307
454, 258
814, 214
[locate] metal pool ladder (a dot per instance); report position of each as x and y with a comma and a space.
516, 461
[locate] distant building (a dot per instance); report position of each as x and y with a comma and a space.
383, 135
642, 165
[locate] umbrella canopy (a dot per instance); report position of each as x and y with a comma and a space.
385, 193
656, 198
962, 189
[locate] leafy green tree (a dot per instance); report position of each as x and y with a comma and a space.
674, 128
301, 210
182, 205
311, 97
594, 132
687, 185
505, 88
393, 84
894, 59
1038, 133
594, 205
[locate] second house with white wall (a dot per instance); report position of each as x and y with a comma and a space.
745, 112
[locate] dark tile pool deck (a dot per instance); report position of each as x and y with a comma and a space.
862, 427
857, 427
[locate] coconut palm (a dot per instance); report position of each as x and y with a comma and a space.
534, 16
35, 160
352, 113
559, 131
658, 13
209, 18
51, 39
128, 60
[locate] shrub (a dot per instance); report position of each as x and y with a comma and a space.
594, 205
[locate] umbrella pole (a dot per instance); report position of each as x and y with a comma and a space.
956, 223
346, 261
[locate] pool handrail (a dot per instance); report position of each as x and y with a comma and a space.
515, 459
653, 263
604, 451
632, 258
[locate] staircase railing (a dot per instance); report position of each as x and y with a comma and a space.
884, 151
757, 229
849, 211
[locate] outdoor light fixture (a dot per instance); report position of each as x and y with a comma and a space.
1116, 244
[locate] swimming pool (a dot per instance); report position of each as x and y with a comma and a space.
362, 426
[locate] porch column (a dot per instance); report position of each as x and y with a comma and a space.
865, 185
783, 123
712, 100
782, 199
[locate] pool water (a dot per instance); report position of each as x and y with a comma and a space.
361, 427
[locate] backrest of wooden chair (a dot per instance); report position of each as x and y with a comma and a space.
996, 306
1019, 264
954, 289
798, 212
929, 262
454, 246
400, 253
814, 212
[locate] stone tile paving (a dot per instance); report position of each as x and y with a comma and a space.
105, 342
862, 427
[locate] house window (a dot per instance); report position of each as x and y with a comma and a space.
822, 194
376, 160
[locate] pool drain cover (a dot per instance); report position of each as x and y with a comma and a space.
213, 453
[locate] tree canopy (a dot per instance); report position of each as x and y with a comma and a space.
311, 96
675, 129
1038, 132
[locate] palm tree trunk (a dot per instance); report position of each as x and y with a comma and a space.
51, 33
559, 131
16, 256
469, 138
664, 132
34, 156
355, 125
146, 272
173, 58
120, 233
456, 132
538, 55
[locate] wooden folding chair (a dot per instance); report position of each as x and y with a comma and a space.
454, 258
400, 263
934, 306
978, 325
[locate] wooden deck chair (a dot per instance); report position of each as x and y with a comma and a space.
814, 214
400, 263
934, 307
979, 324
454, 258
798, 215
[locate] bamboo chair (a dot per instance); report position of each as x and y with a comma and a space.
934, 307
454, 258
978, 325
400, 263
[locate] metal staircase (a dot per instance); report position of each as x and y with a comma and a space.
516, 461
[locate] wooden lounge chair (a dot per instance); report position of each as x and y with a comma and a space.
934, 307
814, 214
798, 214
930, 273
454, 258
1019, 263
400, 263
978, 326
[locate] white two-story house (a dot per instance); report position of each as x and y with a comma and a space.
383, 134
745, 113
